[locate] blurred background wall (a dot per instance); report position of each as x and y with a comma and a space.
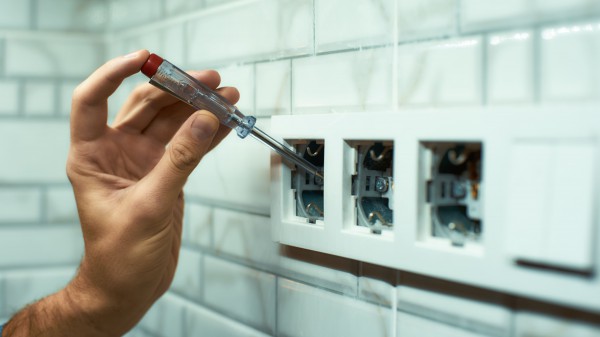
285, 57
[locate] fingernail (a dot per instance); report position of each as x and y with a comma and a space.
131, 55
204, 128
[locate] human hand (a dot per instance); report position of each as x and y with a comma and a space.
128, 189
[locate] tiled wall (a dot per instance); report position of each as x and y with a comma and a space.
285, 57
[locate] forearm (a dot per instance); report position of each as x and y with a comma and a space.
77, 310
55, 315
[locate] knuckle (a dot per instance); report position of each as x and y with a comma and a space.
183, 156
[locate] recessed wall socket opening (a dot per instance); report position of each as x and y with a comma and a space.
372, 181
307, 188
452, 180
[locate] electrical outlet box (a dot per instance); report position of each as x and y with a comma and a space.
500, 198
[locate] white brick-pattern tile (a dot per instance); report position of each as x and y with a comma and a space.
188, 277
308, 311
40, 158
510, 68
245, 236
273, 86
44, 57
200, 321
443, 73
352, 81
120, 12
198, 225
243, 293
15, 14
20, 204
415, 326
342, 25
40, 245
254, 29
90, 15
429, 18
218, 179
9, 96
570, 68
26, 286
241, 77
531, 324
40, 98
165, 318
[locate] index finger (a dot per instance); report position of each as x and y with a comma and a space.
89, 111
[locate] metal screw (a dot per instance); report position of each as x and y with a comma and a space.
381, 184
318, 180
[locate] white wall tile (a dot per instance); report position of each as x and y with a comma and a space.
188, 277
478, 14
376, 284
61, 206
254, 29
199, 225
245, 236
511, 67
307, 311
65, 96
200, 321
484, 317
210, 3
273, 85
529, 324
9, 96
444, 73
354, 81
20, 204
246, 294
569, 66
414, 326
241, 77
120, 12
325, 271
418, 19
40, 245
46, 57
179, 7
40, 98
15, 14
165, 318
46, 144
218, 178
91, 15
27, 286
174, 42
340, 25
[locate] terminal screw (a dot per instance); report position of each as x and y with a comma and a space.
381, 184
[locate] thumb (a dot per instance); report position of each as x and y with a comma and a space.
182, 155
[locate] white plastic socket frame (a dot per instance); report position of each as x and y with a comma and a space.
502, 198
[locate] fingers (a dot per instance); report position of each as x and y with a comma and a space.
89, 107
169, 120
147, 101
182, 155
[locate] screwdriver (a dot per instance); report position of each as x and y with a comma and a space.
164, 75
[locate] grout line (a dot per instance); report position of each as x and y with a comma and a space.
33, 17
484, 76
2, 58
57, 98
276, 323
229, 206
394, 302
537, 66
291, 79
314, 17
21, 101
395, 61
43, 216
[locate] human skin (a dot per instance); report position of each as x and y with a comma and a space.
128, 182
